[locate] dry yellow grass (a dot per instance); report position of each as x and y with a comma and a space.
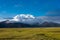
29, 33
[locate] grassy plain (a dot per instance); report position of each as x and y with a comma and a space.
30, 33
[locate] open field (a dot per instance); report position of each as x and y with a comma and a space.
29, 33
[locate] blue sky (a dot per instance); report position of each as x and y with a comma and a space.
10, 8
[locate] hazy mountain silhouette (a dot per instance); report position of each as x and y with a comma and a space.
7, 24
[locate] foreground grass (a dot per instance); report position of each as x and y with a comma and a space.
29, 33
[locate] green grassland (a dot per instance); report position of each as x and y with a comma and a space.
29, 33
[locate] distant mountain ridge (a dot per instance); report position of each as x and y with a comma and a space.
27, 20
7, 24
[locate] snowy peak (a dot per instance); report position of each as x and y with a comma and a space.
23, 17
27, 18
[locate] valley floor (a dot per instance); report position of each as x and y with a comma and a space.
29, 33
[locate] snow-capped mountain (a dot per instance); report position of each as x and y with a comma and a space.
27, 20
23, 17
30, 19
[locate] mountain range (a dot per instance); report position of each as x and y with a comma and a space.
27, 20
